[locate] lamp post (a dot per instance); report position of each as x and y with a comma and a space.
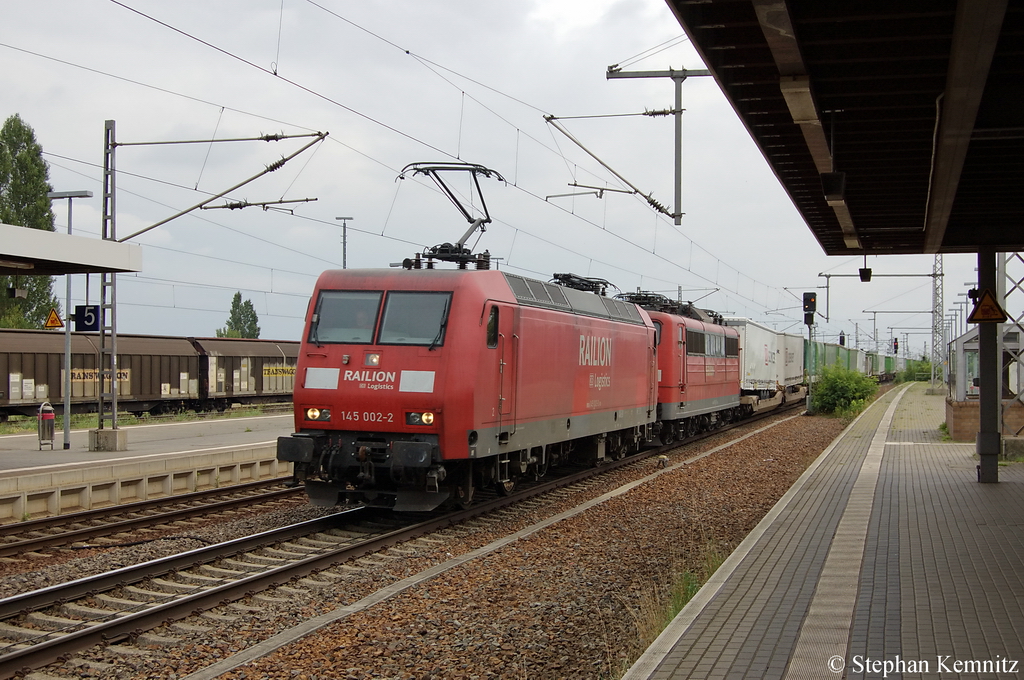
960, 313
344, 240
56, 195
966, 303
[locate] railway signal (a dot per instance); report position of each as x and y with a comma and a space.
810, 306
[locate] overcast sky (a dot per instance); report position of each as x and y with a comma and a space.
409, 81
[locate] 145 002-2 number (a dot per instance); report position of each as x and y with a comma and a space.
368, 416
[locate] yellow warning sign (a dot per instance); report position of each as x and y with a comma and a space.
987, 310
53, 320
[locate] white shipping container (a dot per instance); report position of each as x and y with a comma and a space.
792, 359
761, 363
859, 361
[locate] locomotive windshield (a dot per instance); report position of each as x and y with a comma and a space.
415, 318
350, 316
345, 316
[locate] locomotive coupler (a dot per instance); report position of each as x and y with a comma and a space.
365, 471
435, 476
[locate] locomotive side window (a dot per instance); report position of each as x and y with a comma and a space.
414, 318
694, 342
732, 347
657, 333
714, 345
344, 316
492, 328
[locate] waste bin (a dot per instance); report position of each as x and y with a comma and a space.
46, 423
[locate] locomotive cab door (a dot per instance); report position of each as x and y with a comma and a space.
681, 356
504, 318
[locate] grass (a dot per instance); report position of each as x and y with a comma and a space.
851, 410
687, 583
944, 429
658, 606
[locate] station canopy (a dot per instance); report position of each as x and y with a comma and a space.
895, 126
37, 252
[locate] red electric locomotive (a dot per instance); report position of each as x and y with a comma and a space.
416, 386
698, 367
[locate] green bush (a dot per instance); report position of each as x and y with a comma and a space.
841, 391
914, 370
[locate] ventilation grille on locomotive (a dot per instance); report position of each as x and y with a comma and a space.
540, 294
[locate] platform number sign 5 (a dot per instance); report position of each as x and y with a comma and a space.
87, 317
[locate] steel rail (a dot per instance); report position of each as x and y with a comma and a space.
10, 548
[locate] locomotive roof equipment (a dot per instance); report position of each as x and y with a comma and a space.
660, 303
456, 252
584, 283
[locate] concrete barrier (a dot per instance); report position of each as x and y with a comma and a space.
66, 488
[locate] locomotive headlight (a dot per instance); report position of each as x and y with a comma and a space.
424, 418
372, 360
318, 414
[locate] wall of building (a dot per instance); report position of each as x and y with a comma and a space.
962, 419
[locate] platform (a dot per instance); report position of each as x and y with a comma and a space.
163, 459
887, 558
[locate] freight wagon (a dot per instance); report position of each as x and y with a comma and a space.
771, 364
883, 367
155, 374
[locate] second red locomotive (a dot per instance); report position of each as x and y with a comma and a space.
698, 367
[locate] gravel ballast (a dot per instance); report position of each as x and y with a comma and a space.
581, 598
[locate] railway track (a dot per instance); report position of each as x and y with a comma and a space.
62, 530
43, 626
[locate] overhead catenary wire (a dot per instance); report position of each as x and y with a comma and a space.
655, 113
205, 286
260, 138
155, 88
200, 100
309, 159
616, 265
421, 58
280, 30
650, 199
270, 168
238, 205
687, 268
519, 132
282, 78
206, 159
275, 245
650, 52
150, 305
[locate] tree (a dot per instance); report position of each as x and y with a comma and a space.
242, 320
24, 183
